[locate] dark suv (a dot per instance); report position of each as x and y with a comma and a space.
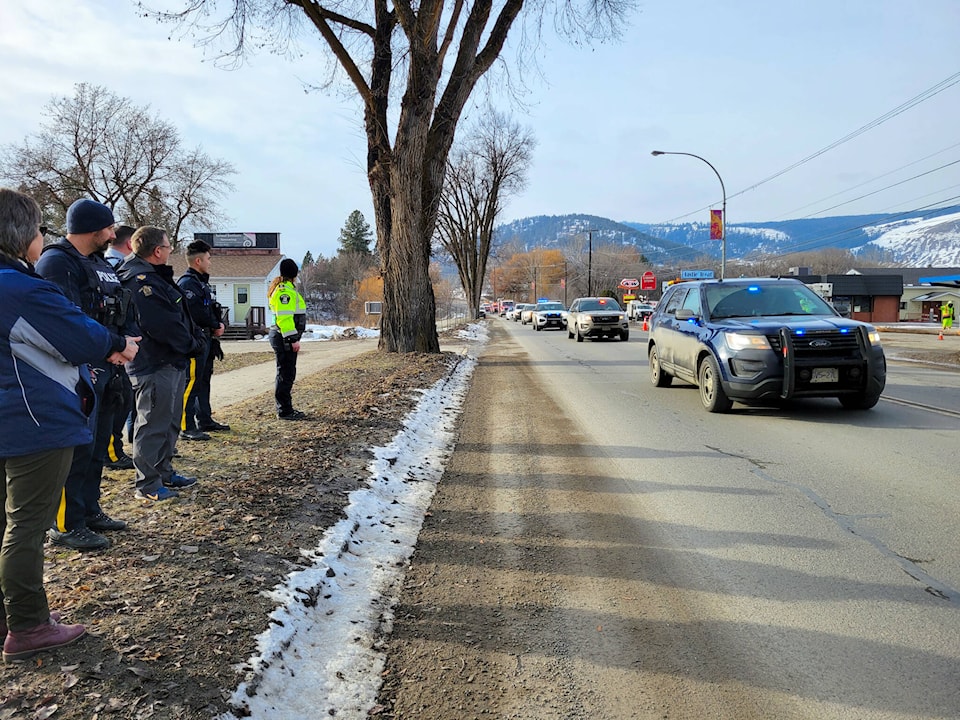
762, 340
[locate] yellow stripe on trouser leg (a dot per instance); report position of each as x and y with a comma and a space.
61, 519
191, 379
112, 449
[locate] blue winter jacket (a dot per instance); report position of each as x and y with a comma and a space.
45, 341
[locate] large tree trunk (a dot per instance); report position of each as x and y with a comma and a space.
408, 323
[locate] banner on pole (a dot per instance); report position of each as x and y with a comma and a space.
716, 224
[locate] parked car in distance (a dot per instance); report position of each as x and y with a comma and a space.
638, 310
547, 315
597, 317
762, 340
506, 306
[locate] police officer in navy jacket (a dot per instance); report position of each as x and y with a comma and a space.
77, 266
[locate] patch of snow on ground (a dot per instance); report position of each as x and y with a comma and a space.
318, 658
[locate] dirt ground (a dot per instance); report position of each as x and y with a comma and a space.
174, 605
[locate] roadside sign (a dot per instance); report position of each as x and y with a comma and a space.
648, 281
629, 283
696, 274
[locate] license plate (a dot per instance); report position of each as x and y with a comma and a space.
825, 375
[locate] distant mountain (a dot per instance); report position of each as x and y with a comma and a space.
919, 239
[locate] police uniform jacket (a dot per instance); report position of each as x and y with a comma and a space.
169, 335
196, 289
289, 312
45, 341
92, 284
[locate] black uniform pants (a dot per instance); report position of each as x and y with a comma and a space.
81, 492
196, 407
286, 372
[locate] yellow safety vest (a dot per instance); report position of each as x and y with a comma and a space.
289, 310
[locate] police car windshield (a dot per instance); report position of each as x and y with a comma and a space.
730, 300
606, 304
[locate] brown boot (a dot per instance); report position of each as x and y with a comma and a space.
24, 644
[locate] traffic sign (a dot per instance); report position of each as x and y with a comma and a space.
696, 274
648, 281
629, 283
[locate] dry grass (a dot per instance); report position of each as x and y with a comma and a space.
174, 606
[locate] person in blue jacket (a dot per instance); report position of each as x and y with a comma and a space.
76, 266
46, 399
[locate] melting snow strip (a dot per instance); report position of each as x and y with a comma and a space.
319, 656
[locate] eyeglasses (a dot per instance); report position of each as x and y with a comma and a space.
168, 246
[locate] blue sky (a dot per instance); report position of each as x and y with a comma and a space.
752, 86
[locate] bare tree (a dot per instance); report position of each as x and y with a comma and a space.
490, 166
98, 145
431, 54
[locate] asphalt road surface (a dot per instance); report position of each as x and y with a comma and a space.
600, 548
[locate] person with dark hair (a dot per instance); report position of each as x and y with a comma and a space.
289, 321
158, 375
76, 264
120, 245
116, 458
204, 309
46, 397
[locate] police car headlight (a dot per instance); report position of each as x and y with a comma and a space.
874, 336
743, 341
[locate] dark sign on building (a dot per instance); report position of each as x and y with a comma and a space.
259, 240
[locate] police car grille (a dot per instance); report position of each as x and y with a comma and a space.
811, 344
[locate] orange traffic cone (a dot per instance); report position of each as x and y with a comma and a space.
645, 325
940, 336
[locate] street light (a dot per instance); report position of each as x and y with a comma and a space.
723, 226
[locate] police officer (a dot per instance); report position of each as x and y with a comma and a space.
158, 373
289, 321
77, 266
205, 311
116, 458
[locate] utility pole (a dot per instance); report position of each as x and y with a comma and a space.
590, 264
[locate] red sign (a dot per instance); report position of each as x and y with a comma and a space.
648, 281
629, 283
716, 224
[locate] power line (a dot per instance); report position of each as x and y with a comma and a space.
916, 100
903, 107
790, 214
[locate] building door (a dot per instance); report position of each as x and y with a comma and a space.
241, 303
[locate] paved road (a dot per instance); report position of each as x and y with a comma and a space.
600, 548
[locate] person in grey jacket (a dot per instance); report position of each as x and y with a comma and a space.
46, 399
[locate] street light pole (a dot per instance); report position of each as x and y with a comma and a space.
723, 227
590, 265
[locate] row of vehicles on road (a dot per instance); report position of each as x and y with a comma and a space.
757, 341
589, 317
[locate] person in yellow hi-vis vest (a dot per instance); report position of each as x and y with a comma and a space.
289, 321
946, 316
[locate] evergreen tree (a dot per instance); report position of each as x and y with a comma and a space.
307, 260
355, 236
